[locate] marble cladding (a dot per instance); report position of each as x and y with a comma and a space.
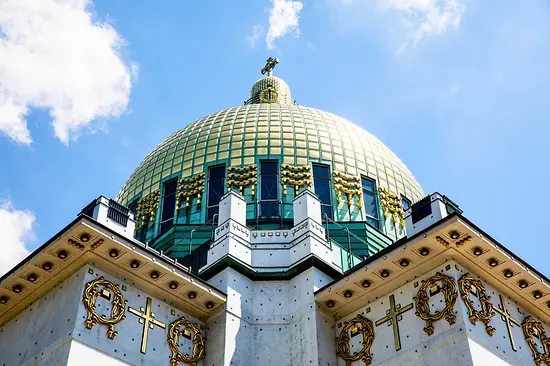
459, 344
269, 322
41, 334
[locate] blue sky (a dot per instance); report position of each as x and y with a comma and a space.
458, 89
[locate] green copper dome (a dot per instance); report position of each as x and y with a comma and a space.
271, 127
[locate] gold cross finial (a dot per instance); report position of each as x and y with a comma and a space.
270, 65
393, 316
147, 318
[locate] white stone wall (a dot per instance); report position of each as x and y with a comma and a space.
83, 355
269, 322
499, 344
40, 334
127, 344
44, 333
459, 344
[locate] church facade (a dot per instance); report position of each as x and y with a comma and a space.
273, 234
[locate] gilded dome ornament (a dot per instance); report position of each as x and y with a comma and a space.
188, 188
242, 177
357, 325
422, 300
391, 204
146, 209
269, 96
348, 184
297, 176
104, 288
469, 285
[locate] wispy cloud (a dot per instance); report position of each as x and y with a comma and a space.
55, 55
16, 227
419, 18
283, 18
256, 33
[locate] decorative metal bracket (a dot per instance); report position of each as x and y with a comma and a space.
366, 328
421, 301
468, 285
532, 328
91, 292
197, 353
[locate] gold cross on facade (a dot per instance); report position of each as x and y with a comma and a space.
147, 318
393, 316
270, 65
507, 318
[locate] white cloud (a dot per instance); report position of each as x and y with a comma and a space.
427, 17
283, 18
256, 33
55, 55
16, 228
419, 18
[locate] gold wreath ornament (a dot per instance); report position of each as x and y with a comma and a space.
366, 329
467, 285
198, 342
91, 292
532, 328
422, 301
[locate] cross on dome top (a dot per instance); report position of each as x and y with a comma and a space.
269, 66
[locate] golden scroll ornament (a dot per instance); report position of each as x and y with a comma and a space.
91, 292
366, 328
422, 301
469, 285
532, 328
197, 352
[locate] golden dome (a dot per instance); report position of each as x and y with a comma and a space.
286, 132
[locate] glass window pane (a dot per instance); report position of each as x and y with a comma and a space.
373, 222
369, 200
322, 190
210, 212
320, 171
217, 172
168, 206
215, 191
269, 209
367, 184
269, 187
269, 167
405, 202
326, 209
